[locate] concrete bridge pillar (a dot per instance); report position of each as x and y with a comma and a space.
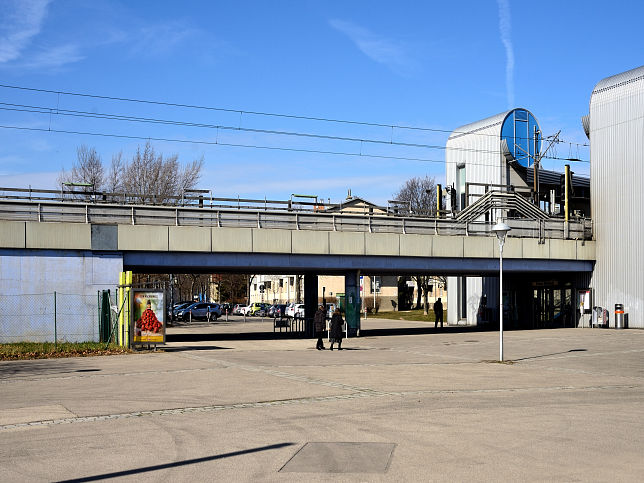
352, 300
310, 298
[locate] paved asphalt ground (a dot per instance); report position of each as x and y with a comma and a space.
416, 405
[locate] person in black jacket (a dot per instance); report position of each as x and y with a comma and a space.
336, 329
319, 323
438, 312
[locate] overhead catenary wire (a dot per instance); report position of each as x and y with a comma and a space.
252, 112
253, 146
121, 117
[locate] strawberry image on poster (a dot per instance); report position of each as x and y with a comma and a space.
148, 321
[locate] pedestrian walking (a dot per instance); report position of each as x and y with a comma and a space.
336, 329
319, 324
438, 312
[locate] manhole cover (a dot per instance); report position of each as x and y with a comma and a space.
341, 458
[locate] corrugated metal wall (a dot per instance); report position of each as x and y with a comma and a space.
479, 150
617, 202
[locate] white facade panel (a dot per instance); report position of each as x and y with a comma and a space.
477, 146
617, 203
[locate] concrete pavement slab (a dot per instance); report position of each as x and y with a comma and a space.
568, 408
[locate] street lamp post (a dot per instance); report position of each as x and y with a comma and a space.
501, 230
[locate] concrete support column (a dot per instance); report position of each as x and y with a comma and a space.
352, 300
310, 300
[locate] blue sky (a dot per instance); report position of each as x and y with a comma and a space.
433, 65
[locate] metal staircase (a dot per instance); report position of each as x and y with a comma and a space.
497, 200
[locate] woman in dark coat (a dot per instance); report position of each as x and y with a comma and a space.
336, 329
319, 323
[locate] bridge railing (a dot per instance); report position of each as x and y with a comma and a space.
74, 212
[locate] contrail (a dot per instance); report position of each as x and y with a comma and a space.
505, 27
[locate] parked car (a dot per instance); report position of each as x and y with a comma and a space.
256, 307
237, 309
172, 312
201, 310
226, 307
245, 310
182, 312
295, 310
277, 310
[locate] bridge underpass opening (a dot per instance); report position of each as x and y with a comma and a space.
381, 303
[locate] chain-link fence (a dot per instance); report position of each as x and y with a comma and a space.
50, 317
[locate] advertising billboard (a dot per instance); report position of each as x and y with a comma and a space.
149, 316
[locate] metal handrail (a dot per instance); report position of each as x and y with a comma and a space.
74, 212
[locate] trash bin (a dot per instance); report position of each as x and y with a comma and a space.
619, 316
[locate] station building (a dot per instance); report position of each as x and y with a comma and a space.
499, 154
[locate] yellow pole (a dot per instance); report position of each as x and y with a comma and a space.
128, 314
119, 335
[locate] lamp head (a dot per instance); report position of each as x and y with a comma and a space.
501, 229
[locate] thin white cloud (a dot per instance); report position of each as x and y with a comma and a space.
384, 51
505, 28
161, 38
55, 57
20, 22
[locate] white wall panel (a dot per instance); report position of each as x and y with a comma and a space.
617, 203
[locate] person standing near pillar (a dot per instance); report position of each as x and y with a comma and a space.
319, 323
336, 329
438, 312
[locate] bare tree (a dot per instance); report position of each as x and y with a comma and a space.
152, 178
88, 168
113, 182
420, 194
148, 178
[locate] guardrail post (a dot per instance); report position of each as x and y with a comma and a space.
86, 213
370, 228
133, 215
334, 227
176, 217
297, 221
259, 225
39, 213
403, 227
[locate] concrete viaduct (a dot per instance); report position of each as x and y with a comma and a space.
81, 248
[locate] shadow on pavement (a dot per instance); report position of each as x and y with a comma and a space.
195, 348
43, 367
175, 464
548, 355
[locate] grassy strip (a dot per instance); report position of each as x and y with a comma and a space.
47, 350
414, 315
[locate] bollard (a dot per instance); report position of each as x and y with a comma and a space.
619, 316
226, 315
